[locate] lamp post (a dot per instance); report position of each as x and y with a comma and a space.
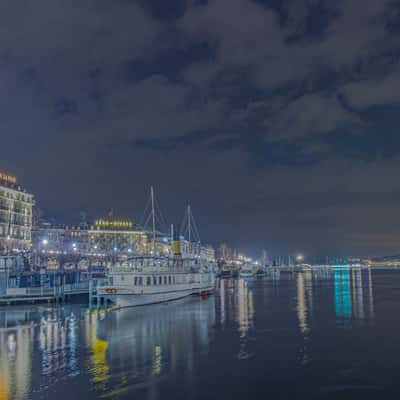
44, 243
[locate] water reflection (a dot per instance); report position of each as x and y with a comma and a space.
15, 364
236, 304
141, 352
117, 350
353, 294
23, 328
304, 300
137, 346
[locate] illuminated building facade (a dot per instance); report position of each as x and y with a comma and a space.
117, 236
208, 253
107, 240
16, 207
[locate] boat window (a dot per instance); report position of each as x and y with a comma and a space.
160, 280
148, 280
154, 280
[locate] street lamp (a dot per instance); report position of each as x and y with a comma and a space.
299, 258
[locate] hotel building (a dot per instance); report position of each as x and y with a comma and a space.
117, 236
16, 207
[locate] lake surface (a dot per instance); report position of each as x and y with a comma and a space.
326, 334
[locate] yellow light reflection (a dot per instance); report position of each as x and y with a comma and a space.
4, 388
101, 369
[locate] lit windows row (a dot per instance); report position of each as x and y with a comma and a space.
154, 280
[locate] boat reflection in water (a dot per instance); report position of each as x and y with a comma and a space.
134, 348
178, 349
45, 348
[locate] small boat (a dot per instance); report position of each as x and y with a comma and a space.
261, 271
246, 271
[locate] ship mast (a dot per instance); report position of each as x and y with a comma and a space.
189, 224
190, 232
153, 220
153, 216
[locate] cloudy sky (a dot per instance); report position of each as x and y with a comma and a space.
276, 119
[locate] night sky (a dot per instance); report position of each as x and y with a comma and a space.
277, 120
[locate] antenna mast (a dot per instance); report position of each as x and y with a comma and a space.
153, 216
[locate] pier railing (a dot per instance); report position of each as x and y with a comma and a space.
67, 289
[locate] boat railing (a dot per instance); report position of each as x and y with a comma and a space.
150, 270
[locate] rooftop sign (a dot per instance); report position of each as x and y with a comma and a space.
8, 178
113, 224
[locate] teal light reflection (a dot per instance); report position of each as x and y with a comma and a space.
343, 304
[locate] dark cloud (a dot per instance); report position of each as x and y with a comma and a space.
65, 106
216, 102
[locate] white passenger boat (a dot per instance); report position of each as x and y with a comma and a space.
151, 280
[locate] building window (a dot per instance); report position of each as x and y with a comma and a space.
148, 280
160, 280
165, 280
154, 280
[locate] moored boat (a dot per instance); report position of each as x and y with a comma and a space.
246, 271
151, 280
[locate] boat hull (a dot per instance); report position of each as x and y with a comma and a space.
137, 299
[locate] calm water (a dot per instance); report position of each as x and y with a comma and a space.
321, 335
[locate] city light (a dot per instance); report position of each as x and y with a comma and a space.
113, 224
299, 257
45, 242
